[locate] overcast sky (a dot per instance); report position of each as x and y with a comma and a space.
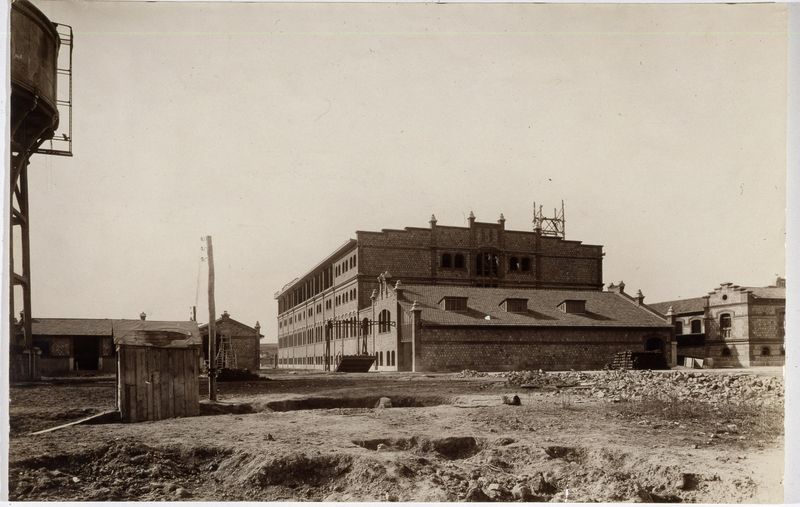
280, 129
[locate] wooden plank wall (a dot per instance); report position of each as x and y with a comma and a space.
158, 383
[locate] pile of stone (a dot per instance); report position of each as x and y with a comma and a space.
645, 384
471, 374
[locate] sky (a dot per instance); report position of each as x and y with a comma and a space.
280, 129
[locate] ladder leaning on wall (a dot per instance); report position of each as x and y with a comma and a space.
226, 357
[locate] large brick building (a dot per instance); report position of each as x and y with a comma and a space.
731, 326
484, 260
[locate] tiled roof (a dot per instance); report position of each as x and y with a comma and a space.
603, 309
768, 292
236, 323
71, 327
679, 306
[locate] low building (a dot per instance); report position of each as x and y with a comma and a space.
731, 326
243, 339
450, 328
74, 345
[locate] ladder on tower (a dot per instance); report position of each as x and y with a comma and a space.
226, 357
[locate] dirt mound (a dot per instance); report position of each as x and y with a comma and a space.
113, 471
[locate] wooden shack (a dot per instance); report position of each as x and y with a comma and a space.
158, 367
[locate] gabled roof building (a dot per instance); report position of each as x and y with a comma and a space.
731, 326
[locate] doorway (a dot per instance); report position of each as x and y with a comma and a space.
86, 350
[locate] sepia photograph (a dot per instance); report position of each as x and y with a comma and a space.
398, 252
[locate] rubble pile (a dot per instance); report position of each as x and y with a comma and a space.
677, 385
471, 374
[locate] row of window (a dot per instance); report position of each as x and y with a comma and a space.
765, 351
696, 327
346, 265
345, 297
390, 358
486, 263
340, 300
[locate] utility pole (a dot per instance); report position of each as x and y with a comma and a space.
212, 322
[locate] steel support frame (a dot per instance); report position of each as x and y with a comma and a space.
20, 217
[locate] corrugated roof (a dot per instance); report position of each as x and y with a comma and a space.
603, 309
71, 327
691, 305
154, 333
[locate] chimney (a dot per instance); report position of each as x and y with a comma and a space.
143, 316
225, 315
502, 221
432, 221
618, 288
639, 297
258, 327
398, 289
780, 282
471, 219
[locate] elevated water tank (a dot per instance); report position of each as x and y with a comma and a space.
34, 52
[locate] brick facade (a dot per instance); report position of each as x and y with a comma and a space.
453, 349
340, 287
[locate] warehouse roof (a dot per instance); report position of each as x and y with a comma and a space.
603, 309
71, 327
679, 306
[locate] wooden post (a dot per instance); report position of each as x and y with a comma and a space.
212, 321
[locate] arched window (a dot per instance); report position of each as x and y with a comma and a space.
391, 355
459, 261
447, 260
384, 321
765, 351
783, 350
526, 264
697, 326
678, 327
380, 358
725, 325
513, 264
726, 351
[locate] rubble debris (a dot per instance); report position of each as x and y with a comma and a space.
621, 385
511, 399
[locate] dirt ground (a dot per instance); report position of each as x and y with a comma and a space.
319, 437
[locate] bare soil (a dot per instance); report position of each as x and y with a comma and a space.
319, 437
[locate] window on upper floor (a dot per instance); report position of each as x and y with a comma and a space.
696, 326
526, 264
458, 261
384, 321
513, 264
447, 261
678, 327
765, 351
725, 324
